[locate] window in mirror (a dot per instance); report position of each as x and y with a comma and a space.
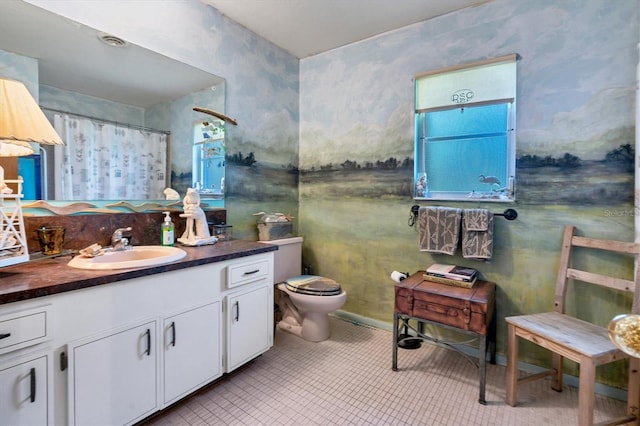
209, 158
465, 132
30, 169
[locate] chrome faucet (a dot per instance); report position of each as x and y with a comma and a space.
118, 242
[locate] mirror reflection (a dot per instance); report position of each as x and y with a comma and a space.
124, 112
209, 158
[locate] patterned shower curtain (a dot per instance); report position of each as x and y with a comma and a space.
104, 161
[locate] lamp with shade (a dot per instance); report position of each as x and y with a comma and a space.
22, 123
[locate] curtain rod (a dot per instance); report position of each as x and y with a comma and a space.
130, 126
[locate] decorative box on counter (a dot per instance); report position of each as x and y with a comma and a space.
274, 226
274, 230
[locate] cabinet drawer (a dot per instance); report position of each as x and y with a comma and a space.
24, 328
244, 273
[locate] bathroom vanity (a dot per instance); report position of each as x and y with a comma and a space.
113, 347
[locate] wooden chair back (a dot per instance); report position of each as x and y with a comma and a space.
567, 271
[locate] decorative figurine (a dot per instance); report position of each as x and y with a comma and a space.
196, 231
171, 194
422, 188
491, 180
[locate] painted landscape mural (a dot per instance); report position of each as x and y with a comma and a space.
329, 140
575, 139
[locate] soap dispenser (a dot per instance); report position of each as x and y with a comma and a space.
167, 230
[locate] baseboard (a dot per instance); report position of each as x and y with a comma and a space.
601, 389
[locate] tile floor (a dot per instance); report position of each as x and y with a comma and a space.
347, 380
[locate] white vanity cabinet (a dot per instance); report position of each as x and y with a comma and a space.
118, 352
25, 377
249, 314
131, 368
191, 349
249, 325
113, 377
24, 390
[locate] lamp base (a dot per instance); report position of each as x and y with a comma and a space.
13, 260
13, 240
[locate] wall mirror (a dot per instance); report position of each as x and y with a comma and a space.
465, 132
77, 70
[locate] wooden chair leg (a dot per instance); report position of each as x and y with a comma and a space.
633, 388
394, 351
556, 378
586, 392
512, 365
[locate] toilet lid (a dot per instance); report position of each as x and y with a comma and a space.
313, 285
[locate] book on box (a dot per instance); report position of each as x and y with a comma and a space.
452, 272
447, 281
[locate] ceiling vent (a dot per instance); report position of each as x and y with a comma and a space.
112, 40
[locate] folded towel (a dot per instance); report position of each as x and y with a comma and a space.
477, 234
476, 219
439, 229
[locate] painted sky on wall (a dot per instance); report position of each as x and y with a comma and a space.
357, 101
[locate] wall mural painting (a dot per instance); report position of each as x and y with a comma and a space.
562, 180
259, 181
569, 179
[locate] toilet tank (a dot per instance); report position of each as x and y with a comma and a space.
287, 259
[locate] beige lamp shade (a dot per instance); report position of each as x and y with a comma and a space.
22, 121
15, 149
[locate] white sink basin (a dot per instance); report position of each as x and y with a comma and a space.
136, 257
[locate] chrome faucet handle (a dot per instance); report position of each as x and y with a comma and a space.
116, 237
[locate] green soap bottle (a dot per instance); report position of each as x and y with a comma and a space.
166, 231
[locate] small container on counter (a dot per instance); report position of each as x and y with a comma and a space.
50, 239
167, 230
223, 232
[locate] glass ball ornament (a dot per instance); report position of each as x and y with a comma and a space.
624, 332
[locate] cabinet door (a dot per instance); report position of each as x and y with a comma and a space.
113, 377
23, 392
249, 325
192, 352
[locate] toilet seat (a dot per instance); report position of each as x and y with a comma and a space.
313, 285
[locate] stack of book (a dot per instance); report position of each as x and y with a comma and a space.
459, 276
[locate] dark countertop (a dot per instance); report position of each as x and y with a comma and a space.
51, 276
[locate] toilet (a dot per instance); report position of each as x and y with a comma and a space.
305, 300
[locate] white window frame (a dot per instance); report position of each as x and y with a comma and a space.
473, 84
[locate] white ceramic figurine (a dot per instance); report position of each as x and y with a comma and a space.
196, 231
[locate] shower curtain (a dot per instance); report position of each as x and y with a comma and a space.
105, 161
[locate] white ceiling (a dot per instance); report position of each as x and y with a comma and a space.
308, 27
302, 27
71, 57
